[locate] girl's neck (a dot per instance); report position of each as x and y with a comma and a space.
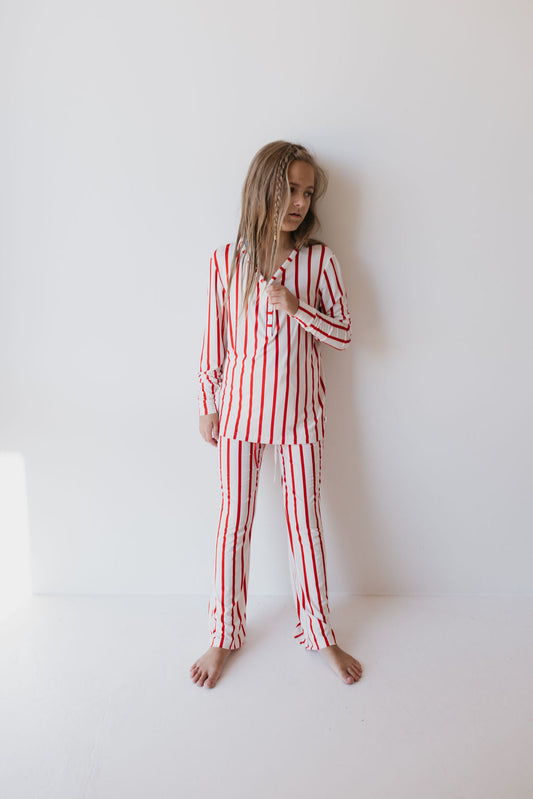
285, 241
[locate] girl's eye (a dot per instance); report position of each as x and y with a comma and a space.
306, 193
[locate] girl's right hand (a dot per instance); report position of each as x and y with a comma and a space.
209, 428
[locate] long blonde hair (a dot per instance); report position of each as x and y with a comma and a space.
265, 199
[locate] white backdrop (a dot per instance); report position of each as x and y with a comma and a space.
127, 129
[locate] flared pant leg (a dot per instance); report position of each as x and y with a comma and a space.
301, 469
240, 464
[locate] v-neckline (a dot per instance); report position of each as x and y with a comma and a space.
280, 267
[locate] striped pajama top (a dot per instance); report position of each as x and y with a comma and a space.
261, 369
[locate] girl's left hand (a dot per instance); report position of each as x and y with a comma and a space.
282, 299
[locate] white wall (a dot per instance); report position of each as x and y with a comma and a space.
127, 130
15, 566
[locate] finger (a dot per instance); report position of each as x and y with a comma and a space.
207, 437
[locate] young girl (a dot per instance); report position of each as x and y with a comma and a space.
273, 297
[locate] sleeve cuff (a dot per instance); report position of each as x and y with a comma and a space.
207, 405
305, 314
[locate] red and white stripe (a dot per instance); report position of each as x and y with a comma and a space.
240, 464
261, 369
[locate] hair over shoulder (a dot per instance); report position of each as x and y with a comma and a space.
265, 199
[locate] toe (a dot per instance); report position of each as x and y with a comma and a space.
213, 677
348, 679
202, 678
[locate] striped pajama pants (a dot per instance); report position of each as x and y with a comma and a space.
240, 464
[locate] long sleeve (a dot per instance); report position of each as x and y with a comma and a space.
214, 342
332, 323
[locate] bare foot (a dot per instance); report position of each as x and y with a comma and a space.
208, 668
348, 668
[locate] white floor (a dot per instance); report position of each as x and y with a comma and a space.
96, 702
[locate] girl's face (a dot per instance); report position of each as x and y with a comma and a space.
302, 185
